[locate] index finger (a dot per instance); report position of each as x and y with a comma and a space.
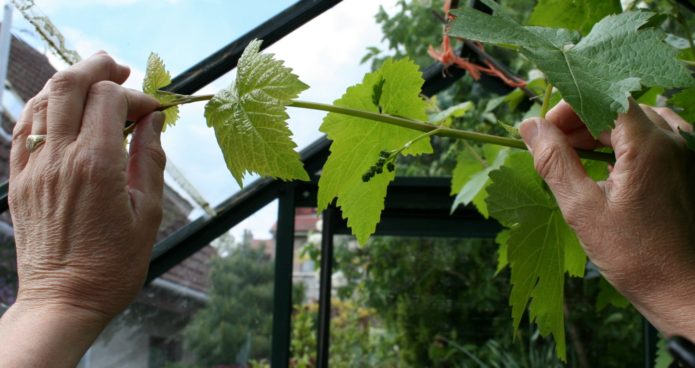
69, 89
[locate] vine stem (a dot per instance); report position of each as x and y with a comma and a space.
546, 99
184, 100
408, 124
441, 131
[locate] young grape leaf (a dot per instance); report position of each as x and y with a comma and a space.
157, 77
470, 176
541, 247
357, 143
685, 99
249, 118
595, 74
578, 15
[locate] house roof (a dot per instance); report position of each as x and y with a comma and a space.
28, 69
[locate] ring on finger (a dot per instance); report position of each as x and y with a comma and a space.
34, 141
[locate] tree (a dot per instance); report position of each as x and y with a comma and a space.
236, 324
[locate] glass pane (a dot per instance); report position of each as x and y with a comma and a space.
213, 309
433, 302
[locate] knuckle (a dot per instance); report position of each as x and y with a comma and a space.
20, 131
105, 88
65, 81
39, 104
157, 155
547, 161
105, 60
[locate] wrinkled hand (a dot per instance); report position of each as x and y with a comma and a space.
85, 213
638, 226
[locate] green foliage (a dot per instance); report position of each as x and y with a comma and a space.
157, 77
426, 291
398, 27
470, 176
235, 325
249, 118
607, 295
353, 343
358, 142
578, 15
303, 343
541, 247
685, 100
594, 74
447, 116
663, 358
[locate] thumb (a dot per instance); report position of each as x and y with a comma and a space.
146, 165
558, 164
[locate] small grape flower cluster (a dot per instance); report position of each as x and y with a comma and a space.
387, 159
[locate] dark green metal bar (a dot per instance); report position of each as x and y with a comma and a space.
284, 256
650, 337
192, 237
324, 328
4, 189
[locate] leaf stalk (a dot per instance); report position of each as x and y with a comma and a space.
412, 124
546, 99
441, 131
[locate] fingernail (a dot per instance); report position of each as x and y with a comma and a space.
157, 121
529, 131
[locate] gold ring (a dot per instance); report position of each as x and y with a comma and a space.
34, 141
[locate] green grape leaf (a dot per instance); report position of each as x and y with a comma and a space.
157, 77
607, 295
470, 176
579, 15
649, 96
357, 143
541, 247
685, 99
595, 74
249, 118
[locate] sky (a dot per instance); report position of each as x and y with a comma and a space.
324, 53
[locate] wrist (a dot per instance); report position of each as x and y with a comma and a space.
55, 335
670, 307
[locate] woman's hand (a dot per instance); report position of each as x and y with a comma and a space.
638, 226
85, 212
